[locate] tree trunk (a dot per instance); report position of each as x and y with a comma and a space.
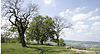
58, 40
21, 32
41, 42
22, 40
38, 32
37, 42
22, 37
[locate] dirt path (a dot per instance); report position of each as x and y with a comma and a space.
79, 51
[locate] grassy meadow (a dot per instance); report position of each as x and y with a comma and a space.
15, 48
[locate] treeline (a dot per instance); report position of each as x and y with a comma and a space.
40, 28
45, 28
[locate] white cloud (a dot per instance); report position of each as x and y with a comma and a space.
88, 34
83, 26
79, 8
80, 26
3, 22
96, 23
96, 26
97, 9
68, 11
62, 14
94, 18
79, 30
79, 22
82, 16
47, 1
94, 11
50, 2
66, 33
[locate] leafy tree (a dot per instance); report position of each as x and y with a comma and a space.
61, 42
21, 13
59, 24
41, 29
34, 30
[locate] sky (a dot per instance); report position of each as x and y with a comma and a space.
83, 14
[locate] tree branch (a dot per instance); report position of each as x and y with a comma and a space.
11, 21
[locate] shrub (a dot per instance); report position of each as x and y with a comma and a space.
61, 42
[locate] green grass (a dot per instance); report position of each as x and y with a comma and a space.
93, 49
15, 48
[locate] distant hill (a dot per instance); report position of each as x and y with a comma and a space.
83, 44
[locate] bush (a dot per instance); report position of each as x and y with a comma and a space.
61, 42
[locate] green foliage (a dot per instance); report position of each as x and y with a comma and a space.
40, 29
12, 40
15, 48
61, 42
54, 40
9, 40
13, 29
18, 39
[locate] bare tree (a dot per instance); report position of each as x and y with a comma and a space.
21, 14
59, 25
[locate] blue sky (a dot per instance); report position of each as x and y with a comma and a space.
83, 14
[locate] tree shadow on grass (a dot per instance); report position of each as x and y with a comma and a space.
39, 49
44, 49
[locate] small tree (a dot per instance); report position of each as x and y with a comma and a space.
20, 13
61, 42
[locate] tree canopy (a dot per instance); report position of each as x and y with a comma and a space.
41, 29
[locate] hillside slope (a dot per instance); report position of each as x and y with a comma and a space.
15, 48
